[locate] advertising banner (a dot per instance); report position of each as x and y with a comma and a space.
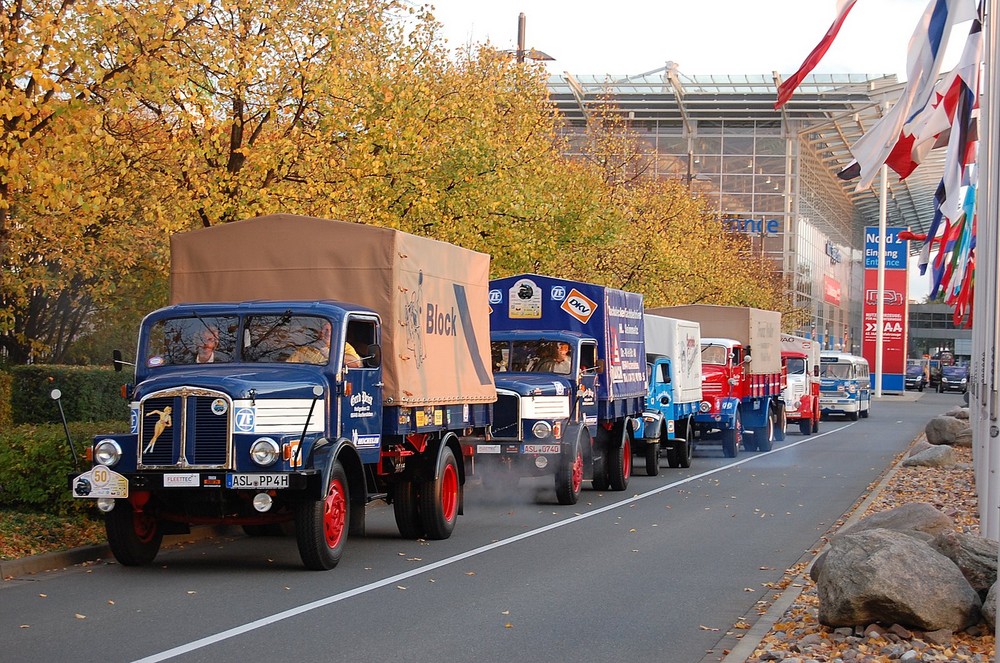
894, 312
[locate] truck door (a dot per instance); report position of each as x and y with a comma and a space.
361, 396
586, 401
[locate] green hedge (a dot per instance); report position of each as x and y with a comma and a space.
6, 416
88, 394
35, 461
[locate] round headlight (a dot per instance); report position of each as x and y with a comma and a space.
705, 407
107, 452
851, 388
541, 429
264, 451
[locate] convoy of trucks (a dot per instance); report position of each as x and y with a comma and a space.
568, 360
306, 367
742, 376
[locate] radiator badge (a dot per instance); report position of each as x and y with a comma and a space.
162, 424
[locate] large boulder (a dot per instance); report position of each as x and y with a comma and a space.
920, 445
945, 430
990, 608
975, 557
958, 413
917, 518
937, 456
881, 575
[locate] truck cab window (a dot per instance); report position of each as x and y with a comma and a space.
358, 342
301, 339
192, 340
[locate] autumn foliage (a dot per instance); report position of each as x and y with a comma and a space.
125, 121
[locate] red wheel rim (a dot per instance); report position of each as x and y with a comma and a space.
577, 471
627, 461
144, 526
449, 492
334, 513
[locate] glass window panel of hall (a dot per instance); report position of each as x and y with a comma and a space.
738, 128
768, 204
671, 144
737, 165
737, 145
770, 146
737, 183
706, 164
770, 165
708, 145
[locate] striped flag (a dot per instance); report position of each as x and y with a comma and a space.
788, 86
923, 65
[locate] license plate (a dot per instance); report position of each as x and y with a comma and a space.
257, 481
540, 449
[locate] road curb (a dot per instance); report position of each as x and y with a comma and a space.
756, 634
57, 561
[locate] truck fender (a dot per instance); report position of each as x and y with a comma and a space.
426, 470
756, 417
323, 457
652, 422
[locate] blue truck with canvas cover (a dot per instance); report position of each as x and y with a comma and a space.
673, 362
570, 371
305, 368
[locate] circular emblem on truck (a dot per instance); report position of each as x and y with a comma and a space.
219, 406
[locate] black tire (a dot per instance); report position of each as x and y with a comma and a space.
864, 413
806, 426
920, 388
134, 538
780, 425
684, 451
763, 436
405, 507
321, 526
853, 416
569, 474
748, 440
620, 460
439, 497
731, 438
673, 458
652, 458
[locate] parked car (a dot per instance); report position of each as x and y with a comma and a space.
954, 378
915, 377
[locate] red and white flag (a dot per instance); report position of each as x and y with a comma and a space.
788, 86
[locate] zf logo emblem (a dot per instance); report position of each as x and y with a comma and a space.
244, 419
579, 306
495, 297
558, 293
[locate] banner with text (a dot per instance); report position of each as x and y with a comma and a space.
894, 312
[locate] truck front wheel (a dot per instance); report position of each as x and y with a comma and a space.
569, 475
806, 426
652, 458
439, 498
321, 525
133, 536
620, 461
731, 438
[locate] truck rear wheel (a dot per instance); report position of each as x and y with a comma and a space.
731, 438
620, 461
652, 458
780, 424
321, 525
569, 474
405, 509
764, 435
133, 536
683, 453
439, 498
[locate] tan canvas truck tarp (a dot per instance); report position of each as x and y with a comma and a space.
432, 296
755, 328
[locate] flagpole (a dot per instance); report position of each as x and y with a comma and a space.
880, 306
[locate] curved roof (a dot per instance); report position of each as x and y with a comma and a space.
832, 110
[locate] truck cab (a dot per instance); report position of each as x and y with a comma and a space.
801, 394
666, 421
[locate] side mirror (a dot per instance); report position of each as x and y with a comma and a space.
116, 357
599, 368
816, 371
374, 358
746, 359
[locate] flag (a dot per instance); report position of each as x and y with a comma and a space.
929, 127
787, 88
923, 64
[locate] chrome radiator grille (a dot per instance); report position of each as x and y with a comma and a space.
186, 427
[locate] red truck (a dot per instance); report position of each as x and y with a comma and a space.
800, 360
742, 377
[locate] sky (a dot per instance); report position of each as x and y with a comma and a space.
701, 36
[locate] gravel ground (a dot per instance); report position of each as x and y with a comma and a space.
797, 637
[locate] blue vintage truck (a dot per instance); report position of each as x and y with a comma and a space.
570, 371
306, 367
673, 362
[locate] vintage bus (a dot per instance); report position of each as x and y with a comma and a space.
845, 385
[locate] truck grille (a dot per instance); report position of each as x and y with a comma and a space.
185, 427
506, 416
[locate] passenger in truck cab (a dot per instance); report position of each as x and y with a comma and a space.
559, 362
318, 351
206, 341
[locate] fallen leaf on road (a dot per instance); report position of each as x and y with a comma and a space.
706, 628
79, 616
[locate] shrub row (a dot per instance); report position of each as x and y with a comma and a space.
88, 394
36, 461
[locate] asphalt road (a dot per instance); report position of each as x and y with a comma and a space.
660, 572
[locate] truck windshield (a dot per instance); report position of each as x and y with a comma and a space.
796, 365
192, 340
839, 371
714, 354
300, 339
538, 356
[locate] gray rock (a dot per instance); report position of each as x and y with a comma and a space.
975, 557
944, 429
937, 456
920, 445
958, 413
880, 575
990, 608
910, 518
964, 439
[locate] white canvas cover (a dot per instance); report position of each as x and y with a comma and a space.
431, 295
680, 340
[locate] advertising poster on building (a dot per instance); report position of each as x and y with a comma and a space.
894, 313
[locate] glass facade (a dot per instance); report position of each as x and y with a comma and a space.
767, 172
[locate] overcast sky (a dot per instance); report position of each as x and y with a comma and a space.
703, 37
